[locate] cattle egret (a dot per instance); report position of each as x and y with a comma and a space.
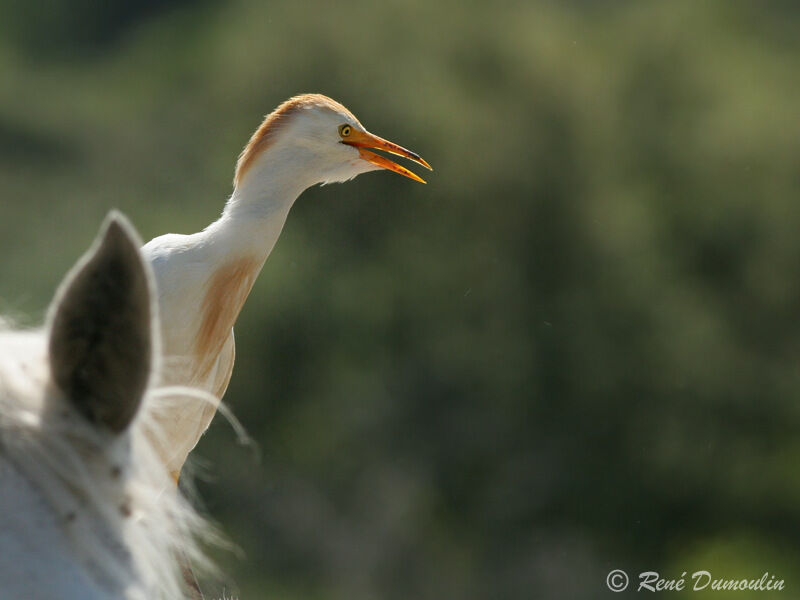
203, 279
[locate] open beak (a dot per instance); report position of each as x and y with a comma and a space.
363, 140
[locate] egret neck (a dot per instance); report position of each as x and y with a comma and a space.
233, 250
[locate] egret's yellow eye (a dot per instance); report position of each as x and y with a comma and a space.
344, 130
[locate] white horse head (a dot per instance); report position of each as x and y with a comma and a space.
87, 509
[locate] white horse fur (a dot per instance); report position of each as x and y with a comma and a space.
87, 509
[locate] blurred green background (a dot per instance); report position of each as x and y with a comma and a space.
576, 349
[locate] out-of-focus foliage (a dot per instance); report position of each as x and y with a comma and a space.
576, 349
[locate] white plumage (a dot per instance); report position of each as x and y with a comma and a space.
87, 511
203, 279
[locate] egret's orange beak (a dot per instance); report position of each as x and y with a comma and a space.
363, 140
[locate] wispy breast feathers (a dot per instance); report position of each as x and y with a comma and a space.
227, 290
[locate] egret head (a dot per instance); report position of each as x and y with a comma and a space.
319, 137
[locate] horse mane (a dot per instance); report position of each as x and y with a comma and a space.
129, 525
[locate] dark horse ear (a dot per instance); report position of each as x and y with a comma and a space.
101, 329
